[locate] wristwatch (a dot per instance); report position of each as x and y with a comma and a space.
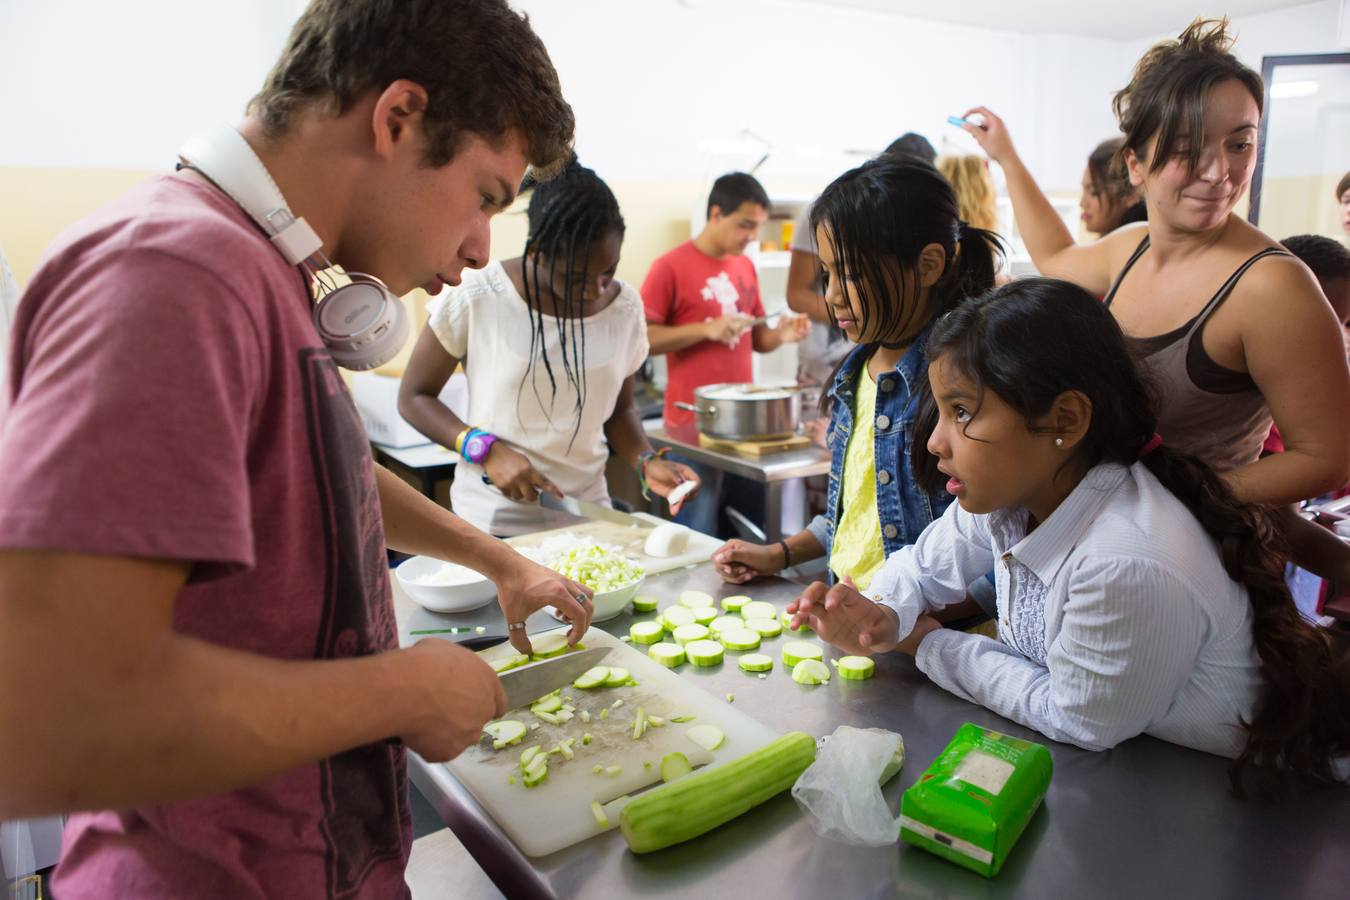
477, 446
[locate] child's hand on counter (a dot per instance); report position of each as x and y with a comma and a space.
846, 619
739, 561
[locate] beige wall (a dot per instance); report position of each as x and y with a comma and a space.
1300, 205
40, 203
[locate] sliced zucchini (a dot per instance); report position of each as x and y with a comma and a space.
755, 662
645, 632
600, 818
644, 604
735, 603
695, 599
549, 645
856, 668
722, 623
674, 765
796, 651
811, 671
550, 718
787, 623
709, 737
639, 724
505, 731
758, 609
692, 632
765, 627
592, 678
668, 655
527, 756
617, 676
547, 704
740, 639
676, 616
704, 653
509, 662
705, 614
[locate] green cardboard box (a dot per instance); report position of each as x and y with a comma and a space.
971, 805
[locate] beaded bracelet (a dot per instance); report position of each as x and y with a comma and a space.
461, 438
642, 461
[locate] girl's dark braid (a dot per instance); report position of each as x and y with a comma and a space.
567, 215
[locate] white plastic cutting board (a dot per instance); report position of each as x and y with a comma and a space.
557, 813
631, 539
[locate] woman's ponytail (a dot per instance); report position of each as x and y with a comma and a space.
972, 272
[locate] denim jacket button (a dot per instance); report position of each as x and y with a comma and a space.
883, 422
829, 438
890, 531
883, 477
886, 385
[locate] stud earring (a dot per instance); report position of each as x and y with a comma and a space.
1059, 442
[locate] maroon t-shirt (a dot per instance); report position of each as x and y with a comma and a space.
168, 396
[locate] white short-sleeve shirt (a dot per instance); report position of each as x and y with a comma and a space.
485, 323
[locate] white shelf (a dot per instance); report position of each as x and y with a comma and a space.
778, 259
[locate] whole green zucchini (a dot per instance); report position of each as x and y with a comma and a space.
698, 803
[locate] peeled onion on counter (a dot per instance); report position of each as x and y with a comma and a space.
668, 539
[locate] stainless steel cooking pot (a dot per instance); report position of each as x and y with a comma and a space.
732, 411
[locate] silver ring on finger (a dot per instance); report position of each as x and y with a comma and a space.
582, 599
516, 626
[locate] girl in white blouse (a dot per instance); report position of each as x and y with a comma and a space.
550, 342
1135, 595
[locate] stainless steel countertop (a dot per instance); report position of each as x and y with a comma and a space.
1147, 819
789, 464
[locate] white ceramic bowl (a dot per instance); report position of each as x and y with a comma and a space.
469, 591
610, 603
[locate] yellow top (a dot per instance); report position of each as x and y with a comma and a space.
858, 549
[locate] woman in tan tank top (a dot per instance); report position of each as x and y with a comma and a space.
1233, 331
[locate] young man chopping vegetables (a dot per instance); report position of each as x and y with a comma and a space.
196, 630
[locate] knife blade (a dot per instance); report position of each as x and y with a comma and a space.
531, 681
593, 511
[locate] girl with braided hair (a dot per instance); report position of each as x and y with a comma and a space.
550, 342
1136, 593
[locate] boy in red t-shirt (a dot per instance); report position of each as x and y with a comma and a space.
701, 299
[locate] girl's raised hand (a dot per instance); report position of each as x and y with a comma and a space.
993, 137
663, 476
739, 561
846, 619
511, 472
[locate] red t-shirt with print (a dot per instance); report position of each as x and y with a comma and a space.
168, 397
687, 286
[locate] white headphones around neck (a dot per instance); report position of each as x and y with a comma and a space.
362, 324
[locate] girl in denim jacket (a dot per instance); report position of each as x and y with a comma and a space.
895, 256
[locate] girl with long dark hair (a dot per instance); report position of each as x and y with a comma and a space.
550, 342
1135, 593
895, 256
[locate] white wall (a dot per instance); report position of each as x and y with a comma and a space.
96, 84
659, 77
119, 84
1310, 28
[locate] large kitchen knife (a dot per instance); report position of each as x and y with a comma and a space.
531, 681
593, 511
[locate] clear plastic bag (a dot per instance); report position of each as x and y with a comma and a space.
841, 790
